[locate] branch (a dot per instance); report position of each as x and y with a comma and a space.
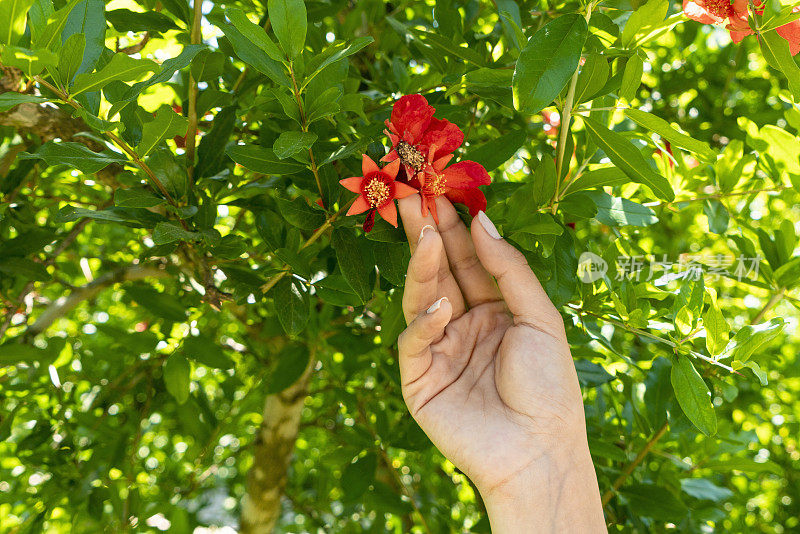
608, 495
64, 305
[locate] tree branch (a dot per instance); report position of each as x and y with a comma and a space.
64, 305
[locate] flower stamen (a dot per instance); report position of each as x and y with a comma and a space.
376, 192
410, 156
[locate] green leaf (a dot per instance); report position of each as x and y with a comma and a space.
352, 262
716, 326
298, 213
615, 211
125, 20
628, 159
206, 351
751, 338
701, 488
24, 267
666, 131
631, 78
254, 33
136, 197
745, 465
166, 125
288, 18
121, 67
177, 376
169, 171
71, 213
601, 177
210, 152
776, 53
497, 151
11, 99
168, 233
88, 19
75, 155
13, 353
335, 290
547, 62
159, 304
30, 62
593, 77
70, 57
693, 395
717, 216
12, 20
291, 304
261, 160
293, 360
591, 374
51, 34
643, 21
293, 142
343, 50
358, 476
449, 47
649, 500
163, 75
255, 56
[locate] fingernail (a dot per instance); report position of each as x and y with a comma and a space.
488, 225
435, 306
422, 232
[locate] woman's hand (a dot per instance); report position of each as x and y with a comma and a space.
488, 375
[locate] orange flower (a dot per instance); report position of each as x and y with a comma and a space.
377, 189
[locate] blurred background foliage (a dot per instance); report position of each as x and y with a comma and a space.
159, 291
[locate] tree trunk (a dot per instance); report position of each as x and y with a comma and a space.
261, 506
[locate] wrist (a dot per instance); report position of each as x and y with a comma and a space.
556, 493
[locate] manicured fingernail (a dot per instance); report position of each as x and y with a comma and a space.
488, 225
422, 232
435, 306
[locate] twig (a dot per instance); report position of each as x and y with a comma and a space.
63, 305
608, 495
774, 300
191, 131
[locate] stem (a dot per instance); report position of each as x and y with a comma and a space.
191, 132
775, 299
314, 237
304, 126
608, 495
566, 116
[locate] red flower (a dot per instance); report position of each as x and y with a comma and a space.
377, 189
414, 132
458, 182
734, 17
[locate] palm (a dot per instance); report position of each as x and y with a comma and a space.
496, 392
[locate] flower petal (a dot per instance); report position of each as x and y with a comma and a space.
352, 184
368, 166
359, 206
696, 10
391, 156
472, 198
791, 32
402, 190
410, 116
445, 135
466, 175
392, 168
389, 213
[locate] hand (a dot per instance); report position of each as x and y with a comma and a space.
487, 373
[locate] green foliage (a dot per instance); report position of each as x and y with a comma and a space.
157, 286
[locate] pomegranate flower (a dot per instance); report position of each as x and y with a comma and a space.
377, 188
414, 132
733, 16
458, 183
